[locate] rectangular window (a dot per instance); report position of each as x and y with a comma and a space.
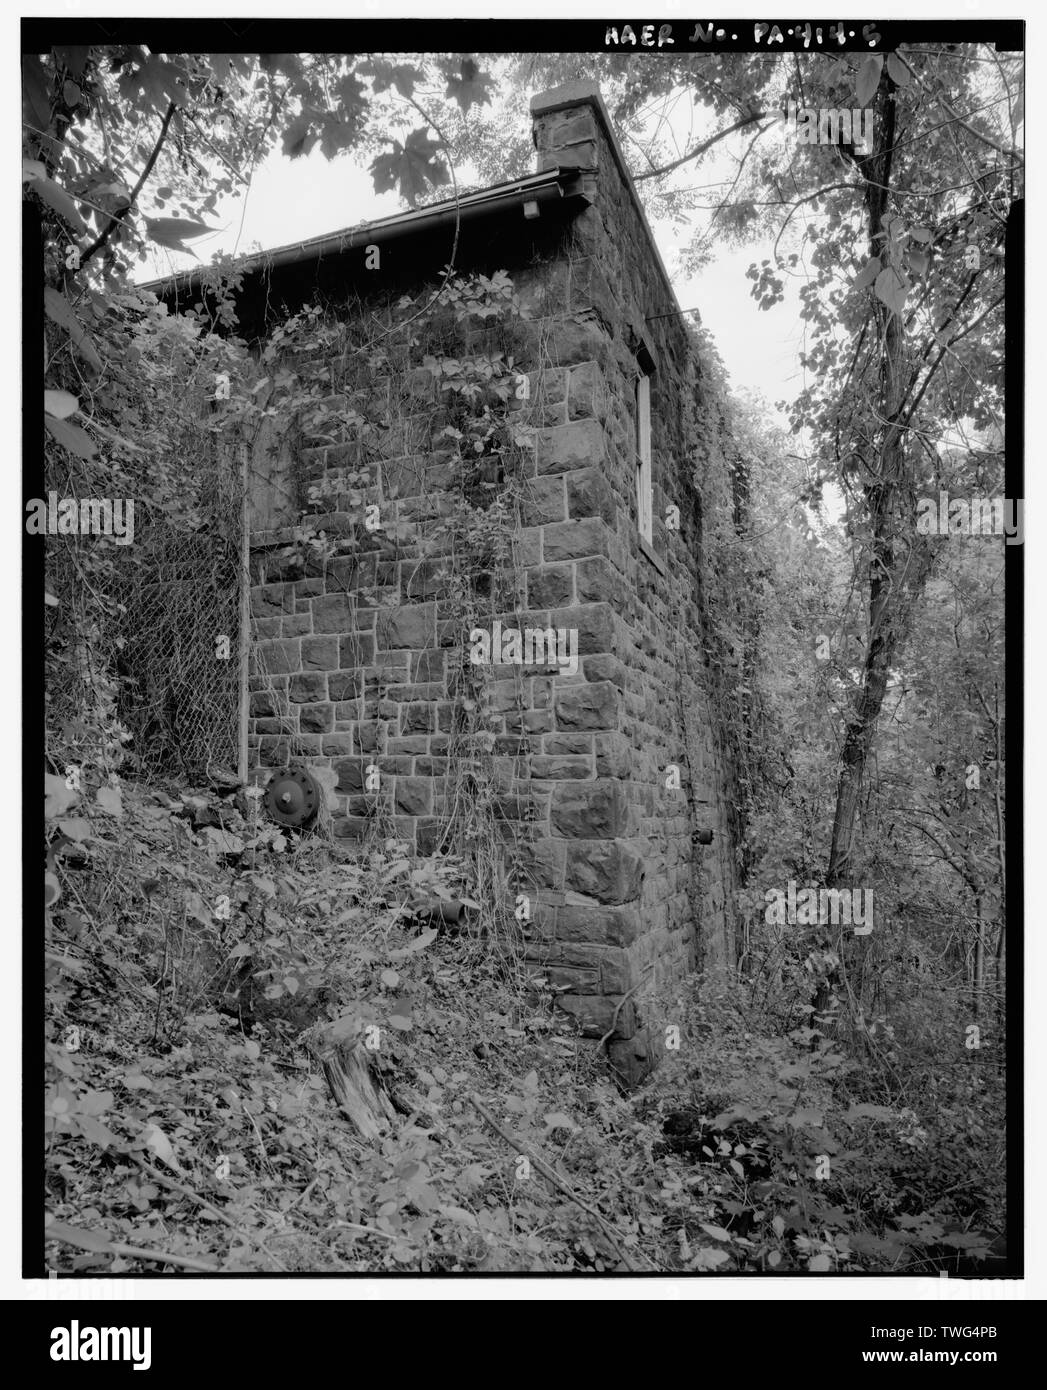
644, 498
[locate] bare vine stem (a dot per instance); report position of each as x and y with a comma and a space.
552, 1176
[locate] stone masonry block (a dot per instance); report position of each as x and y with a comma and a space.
414, 796
542, 500
595, 810
279, 658
577, 339
265, 704
412, 627
344, 685
614, 755
587, 396
589, 494
594, 624
540, 864
590, 290
307, 689
319, 653
610, 871
566, 447
555, 767
577, 980
597, 582
350, 774
561, 128
551, 586
592, 705
356, 649
316, 719
572, 540
333, 613
271, 600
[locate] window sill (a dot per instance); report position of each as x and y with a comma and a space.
656, 560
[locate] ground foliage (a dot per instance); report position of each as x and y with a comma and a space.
187, 1117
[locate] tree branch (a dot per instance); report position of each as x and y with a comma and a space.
1000, 149
944, 349
118, 217
699, 150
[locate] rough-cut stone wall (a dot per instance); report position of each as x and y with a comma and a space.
665, 718
351, 663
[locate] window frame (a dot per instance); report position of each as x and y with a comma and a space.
643, 471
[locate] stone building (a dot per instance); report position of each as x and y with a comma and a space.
613, 770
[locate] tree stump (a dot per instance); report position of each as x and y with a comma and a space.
357, 1088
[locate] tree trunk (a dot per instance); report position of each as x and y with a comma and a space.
978, 980
897, 571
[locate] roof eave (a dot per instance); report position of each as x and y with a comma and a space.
551, 184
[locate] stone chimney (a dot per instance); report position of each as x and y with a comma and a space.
571, 127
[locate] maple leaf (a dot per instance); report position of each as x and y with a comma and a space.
337, 135
412, 167
340, 129
351, 96
299, 137
159, 81
384, 75
468, 86
173, 231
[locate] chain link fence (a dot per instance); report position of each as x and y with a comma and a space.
181, 660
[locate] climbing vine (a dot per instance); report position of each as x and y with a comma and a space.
402, 435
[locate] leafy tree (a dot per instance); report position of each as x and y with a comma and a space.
124, 148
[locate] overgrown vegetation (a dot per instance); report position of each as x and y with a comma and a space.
830, 1109
188, 1122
